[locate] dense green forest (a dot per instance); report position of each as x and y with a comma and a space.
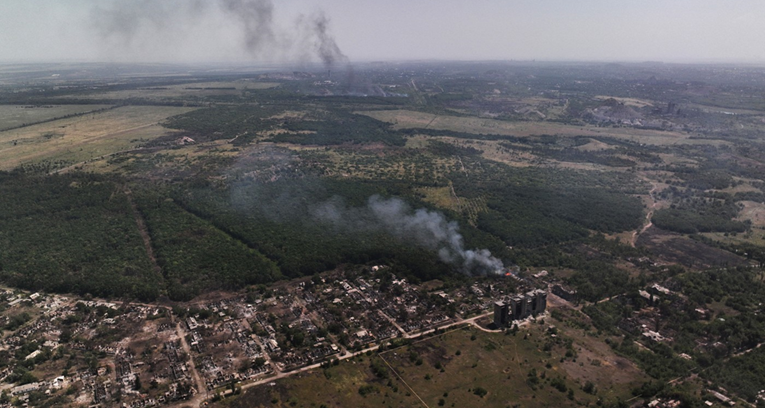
315, 127
339, 128
246, 230
195, 256
700, 215
280, 220
533, 207
72, 233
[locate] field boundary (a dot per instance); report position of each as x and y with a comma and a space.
73, 115
402, 380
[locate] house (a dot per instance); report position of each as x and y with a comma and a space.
25, 389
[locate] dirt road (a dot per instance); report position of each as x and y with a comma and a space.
201, 394
648, 216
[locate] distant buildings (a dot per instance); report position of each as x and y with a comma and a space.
519, 307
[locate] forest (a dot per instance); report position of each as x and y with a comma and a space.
700, 215
72, 234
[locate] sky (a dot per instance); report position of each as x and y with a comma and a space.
254, 31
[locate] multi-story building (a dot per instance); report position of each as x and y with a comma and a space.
519, 307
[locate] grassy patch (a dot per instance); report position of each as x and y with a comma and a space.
496, 368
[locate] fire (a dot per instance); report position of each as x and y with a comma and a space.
507, 273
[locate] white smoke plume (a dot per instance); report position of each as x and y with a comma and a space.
425, 228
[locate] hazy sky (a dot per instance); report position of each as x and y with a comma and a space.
218, 30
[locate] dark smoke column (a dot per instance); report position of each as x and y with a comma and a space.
327, 48
164, 25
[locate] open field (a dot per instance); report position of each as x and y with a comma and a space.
756, 237
504, 366
18, 115
182, 91
455, 368
402, 119
675, 248
337, 386
78, 139
754, 212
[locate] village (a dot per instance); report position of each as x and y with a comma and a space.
108, 353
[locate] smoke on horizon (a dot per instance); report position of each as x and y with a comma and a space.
160, 26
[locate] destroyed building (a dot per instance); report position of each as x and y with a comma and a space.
564, 293
519, 307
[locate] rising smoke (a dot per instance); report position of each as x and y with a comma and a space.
168, 24
270, 185
428, 229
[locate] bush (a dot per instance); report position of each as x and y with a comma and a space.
364, 390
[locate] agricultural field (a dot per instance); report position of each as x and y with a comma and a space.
482, 126
78, 139
189, 91
12, 116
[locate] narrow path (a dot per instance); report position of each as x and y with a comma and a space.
746, 351
431, 121
462, 165
144, 231
609, 298
393, 322
402, 380
72, 166
454, 194
648, 216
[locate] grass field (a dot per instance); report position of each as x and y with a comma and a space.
456, 365
456, 368
17, 115
402, 119
77, 139
752, 211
